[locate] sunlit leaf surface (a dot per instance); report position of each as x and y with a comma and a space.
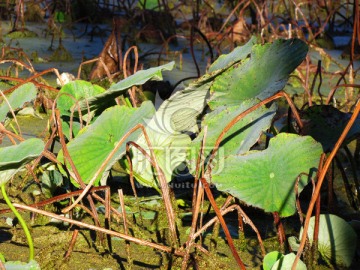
261, 75
13, 158
90, 148
286, 262
100, 101
266, 179
24, 93
69, 95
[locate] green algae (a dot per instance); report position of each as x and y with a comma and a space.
23, 33
61, 54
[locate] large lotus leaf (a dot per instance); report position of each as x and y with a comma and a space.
73, 92
266, 179
101, 101
286, 262
91, 147
24, 93
240, 138
13, 158
69, 95
337, 239
262, 74
326, 123
223, 63
238, 54
175, 117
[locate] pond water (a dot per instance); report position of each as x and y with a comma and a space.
79, 42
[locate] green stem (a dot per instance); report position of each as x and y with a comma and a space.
14, 129
22, 222
128, 103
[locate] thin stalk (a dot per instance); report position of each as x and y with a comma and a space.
22, 222
347, 185
223, 224
108, 216
354, 169
63, 197
72, 244
167, 249
126, 230
30, 79
12, 113
192, 51
162, 181
77, 176
197, 198
280, 231
318, 73
332, 91
330, 187
314, 246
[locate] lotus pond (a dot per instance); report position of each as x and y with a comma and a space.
244, 158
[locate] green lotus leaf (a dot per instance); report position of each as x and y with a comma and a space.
261, 75
13, 158
69, 95
92, 146
168, 132
286, 262
24, 93
337, 239
224, 62
75, 129
325, 124
238, 54
101, 101
266, 179
74, 92
270, 259
240, 138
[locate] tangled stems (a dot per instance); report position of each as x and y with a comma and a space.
22, 222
